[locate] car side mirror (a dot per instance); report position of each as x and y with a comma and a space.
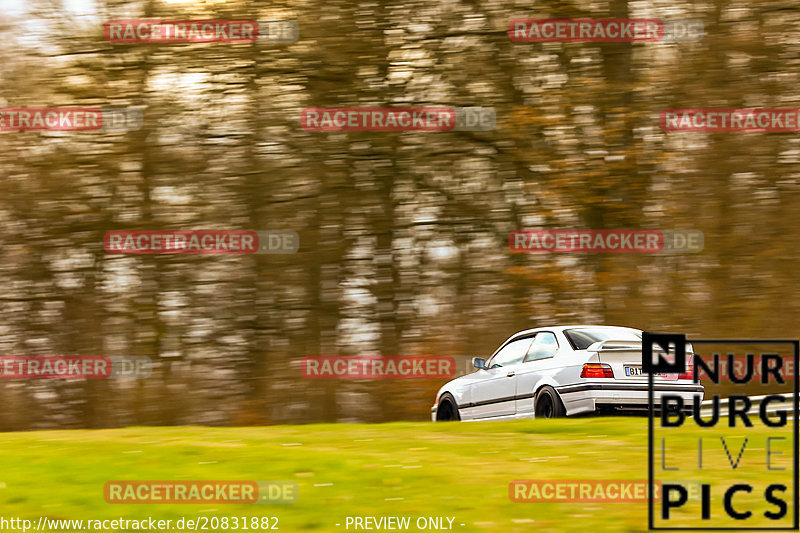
479, 363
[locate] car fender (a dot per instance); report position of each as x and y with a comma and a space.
459, 391
544, 381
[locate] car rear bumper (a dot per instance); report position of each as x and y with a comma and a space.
585, 397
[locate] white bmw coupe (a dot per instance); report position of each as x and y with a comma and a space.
560, 371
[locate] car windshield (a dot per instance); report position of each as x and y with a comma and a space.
582, 338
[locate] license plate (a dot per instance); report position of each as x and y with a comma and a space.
637, 371
633, 370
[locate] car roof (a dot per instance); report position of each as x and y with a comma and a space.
556, 328
574, 326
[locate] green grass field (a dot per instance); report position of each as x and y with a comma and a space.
402, 469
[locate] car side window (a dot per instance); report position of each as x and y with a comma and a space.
544, 346
512, 353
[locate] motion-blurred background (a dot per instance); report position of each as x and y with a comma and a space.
403, 236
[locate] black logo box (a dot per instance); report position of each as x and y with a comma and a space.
664, 340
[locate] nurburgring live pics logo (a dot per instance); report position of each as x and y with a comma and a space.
435, 118
671, 352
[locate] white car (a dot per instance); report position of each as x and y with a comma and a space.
561, 371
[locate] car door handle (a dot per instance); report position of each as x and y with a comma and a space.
510, 374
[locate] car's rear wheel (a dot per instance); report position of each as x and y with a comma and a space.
447, 410
548, 404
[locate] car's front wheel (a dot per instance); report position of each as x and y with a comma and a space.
548, 404
447, 410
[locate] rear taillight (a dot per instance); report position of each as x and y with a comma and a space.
597, 370
689, 374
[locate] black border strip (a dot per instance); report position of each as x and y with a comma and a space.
567, 389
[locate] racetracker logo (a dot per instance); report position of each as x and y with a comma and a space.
200, 492
578, 490
212, 242
604, 30
398, 119
619, 241
22, 367
731, 120
744, 368
199, 31
69, 119
378, 367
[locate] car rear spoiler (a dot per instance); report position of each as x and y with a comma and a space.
612, 346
